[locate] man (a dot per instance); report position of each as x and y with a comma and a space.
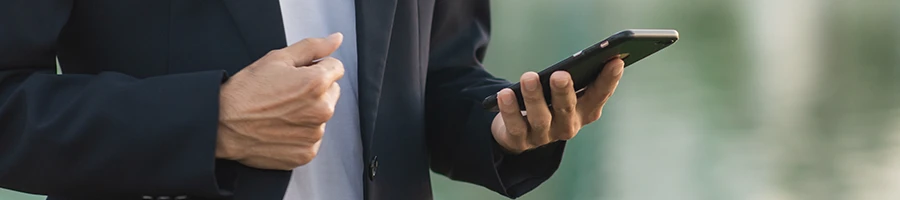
144, 110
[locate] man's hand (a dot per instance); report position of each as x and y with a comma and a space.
543, 125
273, 112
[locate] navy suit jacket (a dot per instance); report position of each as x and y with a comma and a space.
135, 114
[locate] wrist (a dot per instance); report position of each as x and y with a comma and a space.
224, 145
224, 132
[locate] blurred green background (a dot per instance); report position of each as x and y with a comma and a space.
760, 99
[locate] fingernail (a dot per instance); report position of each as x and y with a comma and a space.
560, 83
334, 37
620, 67
502, 97
530, 84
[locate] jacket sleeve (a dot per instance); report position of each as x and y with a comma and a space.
109, 133
459, 137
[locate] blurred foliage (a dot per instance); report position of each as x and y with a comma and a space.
760, 99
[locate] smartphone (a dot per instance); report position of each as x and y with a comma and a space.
630, 45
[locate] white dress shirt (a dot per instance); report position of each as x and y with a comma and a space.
337, 171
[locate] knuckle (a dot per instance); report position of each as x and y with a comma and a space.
568, 133
324, 81
513, 111
339, 63
606, 94
336, 62
533, 97
564, 109
318, 76
336, 66
593, 116
299, 160
515, 130
318, 118
311, 71
540, 124
314, 86
335, 86
316, 134
567, 136
303, 156
295, 160
322, 113
311, 153
327, 109
339, 67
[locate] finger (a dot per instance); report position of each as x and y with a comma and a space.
292, 134
563, 100
303, 53
333, 94
285, 132
281, 156
536, 106
512, 116
330, 69
591, 104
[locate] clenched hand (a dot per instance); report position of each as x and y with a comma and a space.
273, 112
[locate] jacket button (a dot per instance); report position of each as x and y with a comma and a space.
373, 168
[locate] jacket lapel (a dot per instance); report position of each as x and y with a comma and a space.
374, 20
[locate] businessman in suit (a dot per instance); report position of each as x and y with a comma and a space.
229, 99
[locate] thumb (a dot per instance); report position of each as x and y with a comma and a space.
308, 50
334, 40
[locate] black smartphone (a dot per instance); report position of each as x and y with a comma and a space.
630, 45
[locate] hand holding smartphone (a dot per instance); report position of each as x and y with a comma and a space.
629, 45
